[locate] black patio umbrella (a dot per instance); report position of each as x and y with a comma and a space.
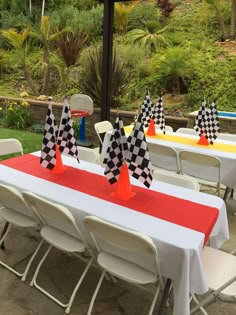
107, 56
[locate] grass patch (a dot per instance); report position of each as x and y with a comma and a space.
30, 141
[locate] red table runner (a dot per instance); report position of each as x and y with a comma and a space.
189, 214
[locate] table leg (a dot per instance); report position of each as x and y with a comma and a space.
165, 296
3, 232
227, 191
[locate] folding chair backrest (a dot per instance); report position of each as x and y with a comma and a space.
202, 166
227, 137
176, 179
167, 128
163, 156
120, 237
12, 199
88, 155
9, 146
187, 131
50, 213
101, 128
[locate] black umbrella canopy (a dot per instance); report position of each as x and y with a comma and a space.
107, 56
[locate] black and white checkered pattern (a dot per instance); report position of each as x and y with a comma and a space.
48, 152
158, 115
212, 126
116, 152
66, 139
138, 160
200, 124
146, 110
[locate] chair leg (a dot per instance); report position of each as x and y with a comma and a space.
24, 274
197, 302
95, 293
3, 233
232, 193
154, 300
78, 285
31, 260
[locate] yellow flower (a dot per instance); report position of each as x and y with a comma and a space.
0, 108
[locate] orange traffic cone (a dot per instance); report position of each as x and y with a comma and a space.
58, 168
123, 187
203, 140
151, 128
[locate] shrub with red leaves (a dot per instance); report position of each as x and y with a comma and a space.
166, 7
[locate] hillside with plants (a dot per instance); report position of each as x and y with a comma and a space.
185, 50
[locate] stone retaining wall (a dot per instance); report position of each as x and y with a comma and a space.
38, 110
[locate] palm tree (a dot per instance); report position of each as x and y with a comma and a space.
43, 8
233, 20
121, 17
20, 44
216, 5
151, 38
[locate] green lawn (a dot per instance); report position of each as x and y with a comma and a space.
30, 141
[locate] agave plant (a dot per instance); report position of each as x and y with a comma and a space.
91, 83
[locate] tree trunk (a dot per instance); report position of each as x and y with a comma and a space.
222, 24
45, 71
233, 20
29, 79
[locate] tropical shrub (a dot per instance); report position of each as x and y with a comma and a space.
91, 80
16, 114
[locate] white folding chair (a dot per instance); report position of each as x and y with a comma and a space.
201, 166
89, 155
15, 211
167, 128
104, 233
227, 137
101, 128
220, 271
10, 145
176, 179
54, 218
163, 157
187, 131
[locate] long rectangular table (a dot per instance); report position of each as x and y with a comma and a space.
84, 190
224, 150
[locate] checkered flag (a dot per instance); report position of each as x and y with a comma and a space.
138, 160
116, 152
48, 152
66, 139
146, 110
200, 120
158, 115
212, 126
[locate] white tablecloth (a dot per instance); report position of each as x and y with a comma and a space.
179, 247
228, 160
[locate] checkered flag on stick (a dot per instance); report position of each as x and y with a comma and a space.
158, 115
48, 152
146, 110
138, 160
200, 120
116, 152
66, 139
212, 123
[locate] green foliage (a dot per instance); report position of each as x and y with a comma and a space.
37, 128
88, 21
16, 114
91, 81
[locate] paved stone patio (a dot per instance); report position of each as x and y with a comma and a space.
60, 272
